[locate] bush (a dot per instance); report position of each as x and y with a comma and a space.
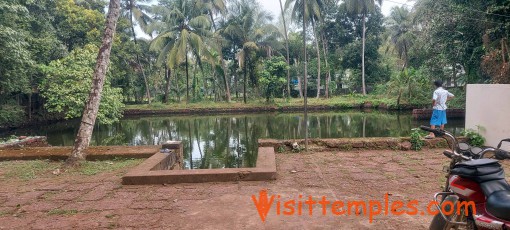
474, 137
11, 115
66, 87
416, 141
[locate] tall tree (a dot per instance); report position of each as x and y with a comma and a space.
309, 14
285, 33
182, 30
91, 108
363, 7
400, 25
248, 27
214, 7
137, 12
301, 8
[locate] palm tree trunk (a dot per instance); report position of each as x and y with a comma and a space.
305, 78
318, 59
194, 83
177, 89
244, 77
454, 74
328, 79
88, 121
300, 82
187, 79
30, 99
168, 74
147, 91
363, 87
286, 48
225, 77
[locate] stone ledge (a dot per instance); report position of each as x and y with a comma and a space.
26, 142
93, 152
346, 144
143, 174
424, 114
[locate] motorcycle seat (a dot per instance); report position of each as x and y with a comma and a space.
492, 186
480, 171
498, 204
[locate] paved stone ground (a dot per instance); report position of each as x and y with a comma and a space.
100, 201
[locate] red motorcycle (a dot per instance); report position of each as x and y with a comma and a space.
476, 194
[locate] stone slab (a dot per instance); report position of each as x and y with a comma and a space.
93, 152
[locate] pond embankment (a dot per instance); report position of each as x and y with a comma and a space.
235, 109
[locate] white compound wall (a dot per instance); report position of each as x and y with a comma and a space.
488, 106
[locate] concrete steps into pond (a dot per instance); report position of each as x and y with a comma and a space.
149, 172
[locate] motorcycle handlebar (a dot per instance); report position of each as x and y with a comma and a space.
502, 154
436, 132
453, 145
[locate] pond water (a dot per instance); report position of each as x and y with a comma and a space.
230, 141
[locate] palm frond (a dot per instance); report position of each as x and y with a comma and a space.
201, 21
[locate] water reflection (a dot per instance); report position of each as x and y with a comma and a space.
230, 141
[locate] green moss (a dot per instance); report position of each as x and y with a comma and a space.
90, 168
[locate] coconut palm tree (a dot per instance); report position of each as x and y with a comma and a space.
137, 12
304, 11
248, 26
183, 31
309, 12
400, 24
90, 112
286, 47
212, 8
363, 7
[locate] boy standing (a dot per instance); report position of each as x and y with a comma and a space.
439, 99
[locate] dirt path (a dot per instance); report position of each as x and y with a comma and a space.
89, 202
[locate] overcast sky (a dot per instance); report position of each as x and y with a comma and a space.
273, 6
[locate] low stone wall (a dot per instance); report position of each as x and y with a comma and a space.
93, 152
24, 142
348, 144
424, 114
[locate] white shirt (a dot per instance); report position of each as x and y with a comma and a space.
441, 96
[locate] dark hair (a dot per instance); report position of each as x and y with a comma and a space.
438, 83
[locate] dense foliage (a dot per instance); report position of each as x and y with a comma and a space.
220, 50
67, 82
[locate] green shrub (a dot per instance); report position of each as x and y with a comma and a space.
416, 141
474, 137
11, 115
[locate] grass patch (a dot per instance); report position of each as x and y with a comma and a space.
110, 216
63, 212
112, 225
5, 213
27, 170
90, 168
33, 169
